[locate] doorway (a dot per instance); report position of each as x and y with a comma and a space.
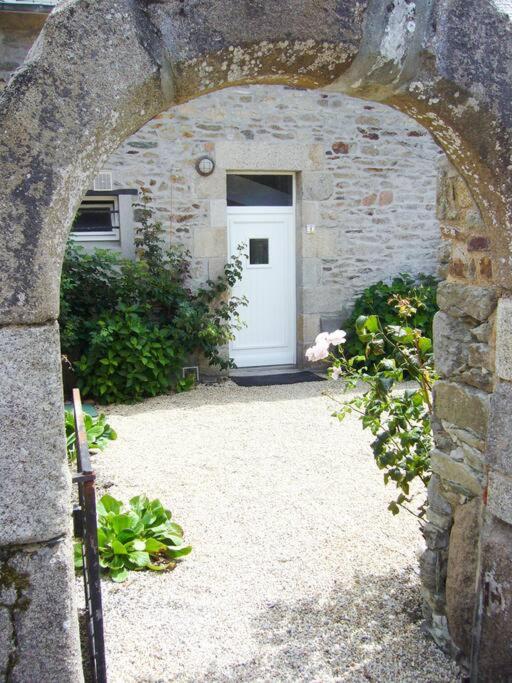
261, 216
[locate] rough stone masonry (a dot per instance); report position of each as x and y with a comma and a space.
366, 179
101, 70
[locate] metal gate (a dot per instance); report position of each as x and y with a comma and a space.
85, 523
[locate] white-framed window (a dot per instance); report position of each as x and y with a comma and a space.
97, 220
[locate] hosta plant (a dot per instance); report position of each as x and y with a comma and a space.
98, 431
138, 536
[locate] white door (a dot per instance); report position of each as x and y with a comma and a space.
268, 282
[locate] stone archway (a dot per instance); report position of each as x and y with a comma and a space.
96, 74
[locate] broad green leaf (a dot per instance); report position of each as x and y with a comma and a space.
109, 504
139, 557
121, 522
424, 344
372, 323
119, 575
77, 555
118, 548
153, 546
179, 552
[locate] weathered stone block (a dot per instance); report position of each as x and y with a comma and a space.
436, 501
483, 332
463, 301
463, 437
6, 644
44, 639
218, 213
495, 660
481, 356
212, 186
310, 213
504, 339
323, 244
279, 156
452, 470
210, 242
433, 570
32, 445
317, 186
330, 323
323, 300
499, 450
500, 496
473, 457
442, 439
461, 575
478, 378
451, 343
310, 273
308, 327
463, 406
436, 538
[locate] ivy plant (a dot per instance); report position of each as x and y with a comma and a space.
140, 535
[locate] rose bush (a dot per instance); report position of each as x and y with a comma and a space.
399, 420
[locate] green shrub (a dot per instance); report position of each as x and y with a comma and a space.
128, 358
90, 284
128, 327
383, 300
139, 536
98, 431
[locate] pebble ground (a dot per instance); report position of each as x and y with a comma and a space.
298, 573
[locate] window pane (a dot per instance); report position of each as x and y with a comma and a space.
258, 252
95, 217
260, 190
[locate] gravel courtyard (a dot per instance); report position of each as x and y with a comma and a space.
298, 572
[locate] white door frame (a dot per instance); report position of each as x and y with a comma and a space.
288, 210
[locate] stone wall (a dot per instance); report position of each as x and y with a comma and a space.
366, 178
105, 67
18, 31
461, 494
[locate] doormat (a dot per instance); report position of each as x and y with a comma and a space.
270, 380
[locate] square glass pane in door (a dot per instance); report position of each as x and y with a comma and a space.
258, 251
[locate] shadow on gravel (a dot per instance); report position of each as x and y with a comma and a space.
371, 632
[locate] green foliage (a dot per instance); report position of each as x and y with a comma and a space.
128, 358
399, 420
90, 284
128, 326
383, 300
139, 536
98, 431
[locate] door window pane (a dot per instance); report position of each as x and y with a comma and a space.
259, 190
258, 252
